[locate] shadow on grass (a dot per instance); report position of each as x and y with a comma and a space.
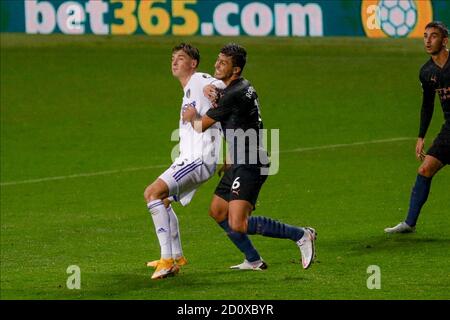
399, 242
131, 285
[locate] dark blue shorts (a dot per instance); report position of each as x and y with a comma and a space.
440, 149
241, 182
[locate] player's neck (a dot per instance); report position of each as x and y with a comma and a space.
440, 58
228, 81
185, 79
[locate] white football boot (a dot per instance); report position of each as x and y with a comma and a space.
306, 245
258, 265
402, 227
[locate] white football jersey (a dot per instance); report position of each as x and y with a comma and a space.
192, 144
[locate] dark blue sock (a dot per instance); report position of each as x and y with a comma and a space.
419, 196
241, 241
272, 228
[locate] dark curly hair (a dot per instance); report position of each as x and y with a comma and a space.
237, 53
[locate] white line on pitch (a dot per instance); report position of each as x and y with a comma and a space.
342, 145
101, 173
98, 173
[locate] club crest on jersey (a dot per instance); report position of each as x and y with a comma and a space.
433, 78
188, 93
190, 104
444, 93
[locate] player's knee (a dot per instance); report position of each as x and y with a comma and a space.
151, 193
212, 214
426, 171
147, 193
238, 226
218, 211
216, 215
167, 202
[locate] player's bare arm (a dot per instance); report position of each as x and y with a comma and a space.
200, 124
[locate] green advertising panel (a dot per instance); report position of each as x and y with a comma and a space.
372, 18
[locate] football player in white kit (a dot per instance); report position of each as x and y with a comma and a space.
195, 164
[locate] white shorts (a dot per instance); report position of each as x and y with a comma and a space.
184, 177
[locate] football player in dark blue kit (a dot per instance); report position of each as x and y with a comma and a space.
234, 200
435, 78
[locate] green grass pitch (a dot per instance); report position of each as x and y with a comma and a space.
87, 105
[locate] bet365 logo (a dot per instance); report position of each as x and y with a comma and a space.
395, 18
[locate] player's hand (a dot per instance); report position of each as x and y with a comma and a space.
210, 92
420, 154
223, 168
188, 114
213, 94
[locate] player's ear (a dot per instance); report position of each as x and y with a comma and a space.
445, 42
237, 70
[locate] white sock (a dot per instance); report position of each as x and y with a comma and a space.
162, 226
177, 251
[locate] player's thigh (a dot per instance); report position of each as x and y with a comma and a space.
218, 209
190, 182
157, 190
430, 166
438, 155
183, 176
238, 213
